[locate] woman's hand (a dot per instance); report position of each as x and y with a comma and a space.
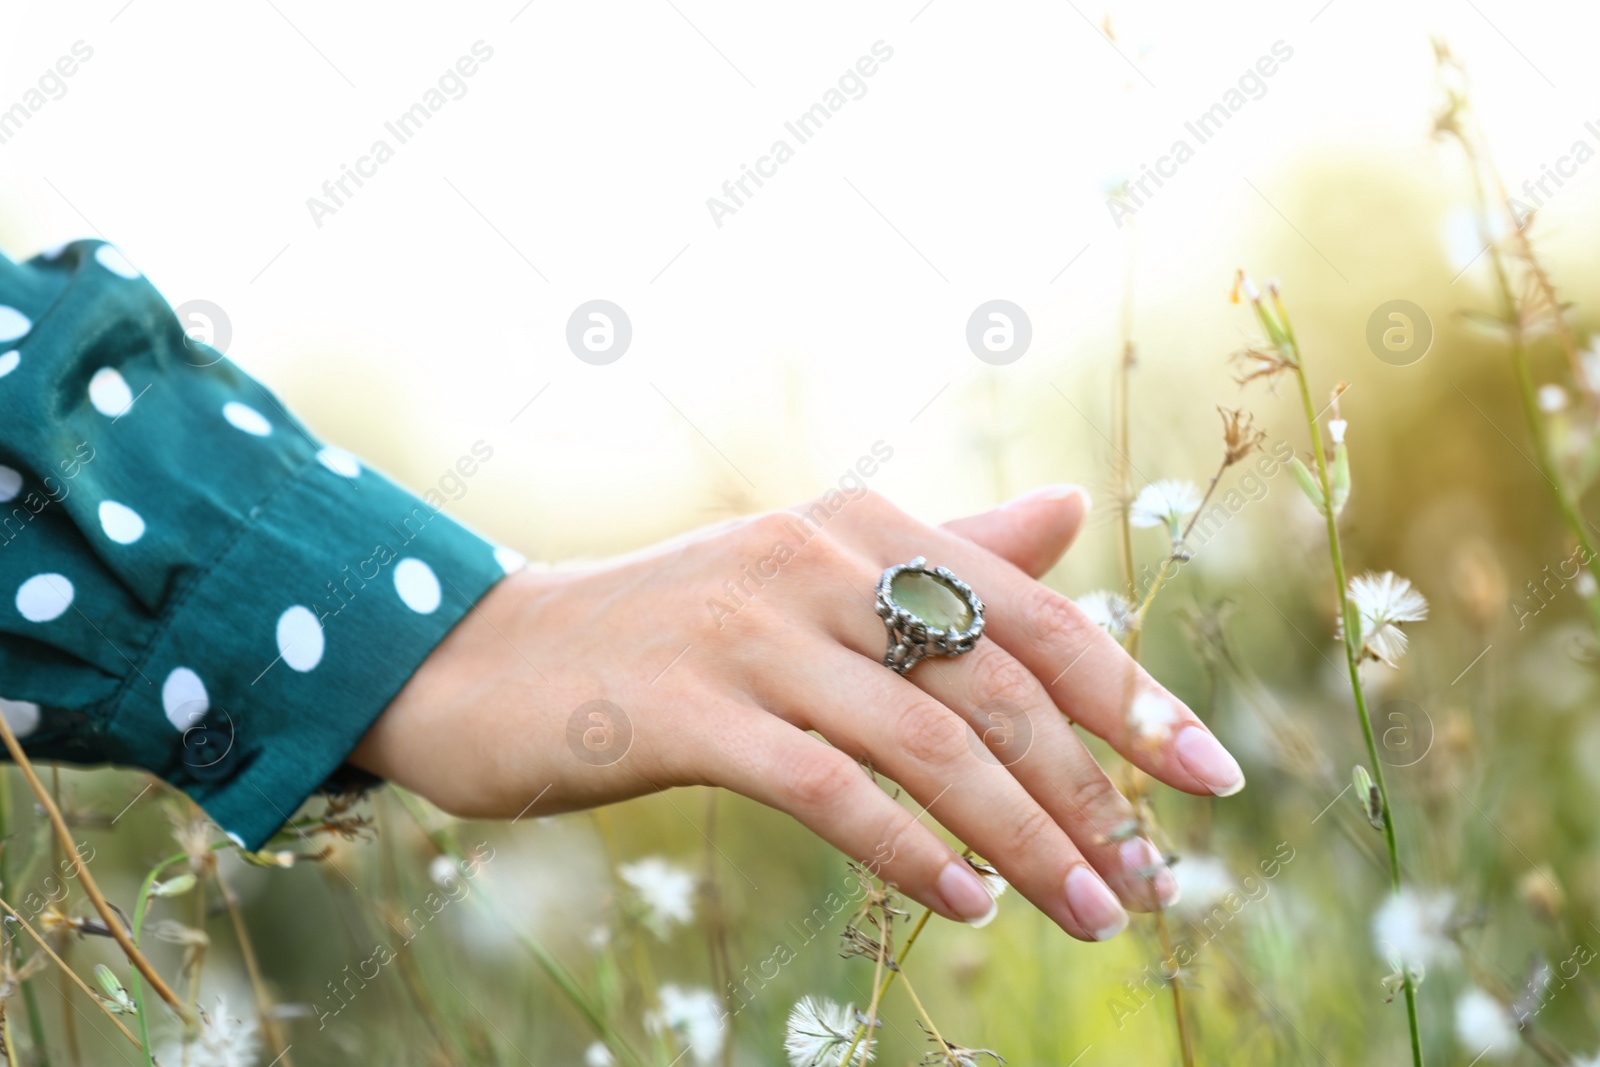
706, 660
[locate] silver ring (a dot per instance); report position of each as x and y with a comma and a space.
928, 612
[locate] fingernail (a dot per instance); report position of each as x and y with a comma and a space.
1144, 862
1055, 492
964, 894
1094, 905
1204, 757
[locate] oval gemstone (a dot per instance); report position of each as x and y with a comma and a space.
931, 599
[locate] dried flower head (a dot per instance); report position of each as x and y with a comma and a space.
1384, 602
1414, 928
1240, 435
953, 1055
819, 1031
990, 877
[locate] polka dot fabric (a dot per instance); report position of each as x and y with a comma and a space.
193, 584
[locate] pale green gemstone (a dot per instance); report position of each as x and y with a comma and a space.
932, 599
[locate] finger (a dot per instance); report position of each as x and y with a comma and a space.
1032, 531
770, 761
870, 711
1022, 729
1087, 673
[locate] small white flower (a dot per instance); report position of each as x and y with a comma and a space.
1152, 715
819, 1032
695, 1016
442, 872
1586, 585
222, 1041
1384, 601
1202, 881
597, 1055
1107, 610
667, 892
1552, 398
990, 878
1336, 429
1165, 503
1484, 1025
1412, 926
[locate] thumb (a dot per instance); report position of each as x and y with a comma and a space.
1031, 531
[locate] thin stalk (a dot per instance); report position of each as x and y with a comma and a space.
113, 923
140, 904
29, 999
443, 842
1352, 637
44, 946
717, 929
69, 1013
883, 988
944, 1046
252, 967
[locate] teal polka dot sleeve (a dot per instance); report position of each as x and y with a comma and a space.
189, 581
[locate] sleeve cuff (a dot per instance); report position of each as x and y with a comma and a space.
276, 660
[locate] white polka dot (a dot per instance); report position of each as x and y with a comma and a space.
21, 715
10, 485
111, 258
184, 697
13, 324
44, 597
9, 361
122, 524
300, 640
109, 392
339, 462
414, 580
511, 561
246, 418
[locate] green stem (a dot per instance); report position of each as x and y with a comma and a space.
1352, 656
136, 987
29, 998
861, 1031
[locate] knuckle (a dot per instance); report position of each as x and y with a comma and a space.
1001, 679
818, 778
931, 735
1095, 800
1033, 833
1049, 617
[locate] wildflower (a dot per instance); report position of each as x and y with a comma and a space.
1202, 882
221, 1041
953, 1055
1240, 435
819, 1031
1552, 398
1484, 1025
442, 872
1336, 429
1383, 602
666, 891
1152, 715
695, 1016
1166, 503
990, 877
1109, 611
597, 1055
1414, 927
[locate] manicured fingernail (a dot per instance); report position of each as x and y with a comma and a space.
1094, 904
1144, 862
1204, 757
1055, 492
964, 894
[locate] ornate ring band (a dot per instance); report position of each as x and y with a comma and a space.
928, 612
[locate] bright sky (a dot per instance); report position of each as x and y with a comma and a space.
830, 310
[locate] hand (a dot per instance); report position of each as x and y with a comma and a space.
719, 671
